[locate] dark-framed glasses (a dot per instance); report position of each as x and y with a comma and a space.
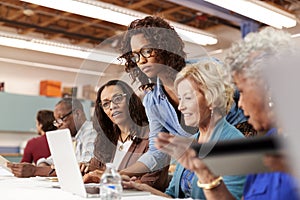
116, 99
61, 120
145, 52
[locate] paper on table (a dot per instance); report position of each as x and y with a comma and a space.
4, 171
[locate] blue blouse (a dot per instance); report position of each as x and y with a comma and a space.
271, 186
162, 118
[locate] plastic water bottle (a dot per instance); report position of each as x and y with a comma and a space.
110, 184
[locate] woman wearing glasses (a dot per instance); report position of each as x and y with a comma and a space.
203, 100
154, 51
154, 55
123, 133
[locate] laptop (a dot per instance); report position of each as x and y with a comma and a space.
67, 168
66, 165
239, 156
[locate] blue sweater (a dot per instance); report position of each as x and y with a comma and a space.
235, 184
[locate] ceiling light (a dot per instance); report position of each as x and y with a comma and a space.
296, 35
120, 15
52, 67
22, 42
259, 11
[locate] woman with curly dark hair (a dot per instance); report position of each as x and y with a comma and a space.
154, 55
122, 126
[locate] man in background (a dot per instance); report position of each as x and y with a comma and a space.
68, 113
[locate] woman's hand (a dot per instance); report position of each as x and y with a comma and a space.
276, 163
173, 145
93, 177
84, 167
128, 182
178, 147
133, 183
22, 169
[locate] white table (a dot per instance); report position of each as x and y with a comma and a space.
12, 188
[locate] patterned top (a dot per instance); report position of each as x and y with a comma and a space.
85, 138
186, 182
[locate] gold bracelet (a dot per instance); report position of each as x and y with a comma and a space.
208, 186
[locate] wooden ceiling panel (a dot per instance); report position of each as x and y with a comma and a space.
53, 24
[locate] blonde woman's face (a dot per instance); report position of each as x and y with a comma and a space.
192, 103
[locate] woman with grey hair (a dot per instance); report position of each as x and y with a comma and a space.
246, 61
204, 100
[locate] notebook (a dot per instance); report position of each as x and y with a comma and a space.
239, 156
66, 165
67, 168
4, 171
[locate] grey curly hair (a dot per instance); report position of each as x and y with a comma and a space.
245, 56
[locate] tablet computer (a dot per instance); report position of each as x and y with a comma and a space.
239, 156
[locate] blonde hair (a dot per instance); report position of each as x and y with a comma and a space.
213, 81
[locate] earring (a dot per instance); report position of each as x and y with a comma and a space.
270, 102
211, 113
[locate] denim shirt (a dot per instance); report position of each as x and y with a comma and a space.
162, 118
236, 114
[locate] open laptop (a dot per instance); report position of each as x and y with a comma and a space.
67, 168
66, 165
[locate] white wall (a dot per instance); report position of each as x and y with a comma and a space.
22, 71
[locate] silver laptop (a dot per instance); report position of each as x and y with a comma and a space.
67, 168
66, 165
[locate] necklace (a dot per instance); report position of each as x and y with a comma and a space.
123, 141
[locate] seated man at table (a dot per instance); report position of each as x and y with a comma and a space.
69, 114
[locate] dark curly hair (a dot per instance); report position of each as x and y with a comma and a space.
163, 38
108, 132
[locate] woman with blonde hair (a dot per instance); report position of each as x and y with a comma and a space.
204, 96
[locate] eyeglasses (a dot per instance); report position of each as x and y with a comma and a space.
145, 52
61, 120
116, 99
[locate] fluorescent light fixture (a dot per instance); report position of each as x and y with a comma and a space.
259, 11
22, 42
53, 67
296, 35
120, 15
